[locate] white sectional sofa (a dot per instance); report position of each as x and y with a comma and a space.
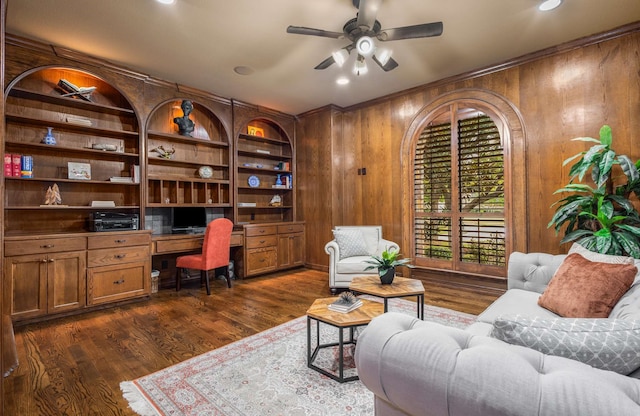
423, 368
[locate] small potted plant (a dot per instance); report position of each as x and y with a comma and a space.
386, 264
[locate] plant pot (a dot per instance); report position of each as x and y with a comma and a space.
387, 278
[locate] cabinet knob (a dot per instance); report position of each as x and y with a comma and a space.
118, 282
44, 261
47, 246
51, 260
120, 241
262, 241
120, 256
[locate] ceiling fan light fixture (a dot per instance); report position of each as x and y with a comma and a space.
383, 56
340, 57
365, 45
547, 5
360, 67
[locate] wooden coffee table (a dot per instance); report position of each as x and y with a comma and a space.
320, 313
400, 287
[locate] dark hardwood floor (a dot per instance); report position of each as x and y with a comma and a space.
74, 365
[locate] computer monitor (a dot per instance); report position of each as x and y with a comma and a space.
188, 220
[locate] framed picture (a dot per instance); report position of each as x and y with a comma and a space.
80, 171
256, 131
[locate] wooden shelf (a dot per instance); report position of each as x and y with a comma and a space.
263, 139
102, 154
66, 126
185, 139
75, 181
68, 102
169, 162
259, 155
71, 207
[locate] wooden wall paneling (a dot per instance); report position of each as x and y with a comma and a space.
316, 169
351, 153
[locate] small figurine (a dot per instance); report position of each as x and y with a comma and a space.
163, 153
185, 124
52, 197
276, 201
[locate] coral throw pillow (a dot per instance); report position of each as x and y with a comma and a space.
586, 289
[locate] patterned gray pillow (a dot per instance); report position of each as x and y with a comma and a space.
350, 243
608, 344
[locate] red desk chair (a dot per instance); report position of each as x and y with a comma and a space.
215, 253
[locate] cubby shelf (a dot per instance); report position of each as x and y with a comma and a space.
68, 126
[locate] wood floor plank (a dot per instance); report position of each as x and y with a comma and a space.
74, 365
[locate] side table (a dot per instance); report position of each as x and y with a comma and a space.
400, 287
320, 313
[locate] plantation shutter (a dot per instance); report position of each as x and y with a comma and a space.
459, 218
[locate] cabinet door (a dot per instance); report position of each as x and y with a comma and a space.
291, 250
25, 286
66, 281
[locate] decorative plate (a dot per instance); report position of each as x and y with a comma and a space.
254, 181
205, 172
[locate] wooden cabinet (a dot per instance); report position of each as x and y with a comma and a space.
291, 245
100, 132
41, 277
176, 178
272, 247
119, 267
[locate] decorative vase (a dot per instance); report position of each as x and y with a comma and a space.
49, 138
278, 180
387, 278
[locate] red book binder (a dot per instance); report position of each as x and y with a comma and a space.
8, 164
17, 165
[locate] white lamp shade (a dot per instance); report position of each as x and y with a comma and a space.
361, 66
340, 56
365, 45
383, 56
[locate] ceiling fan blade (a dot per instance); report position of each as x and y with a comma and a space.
326, 63
300, 30
424, 30
391, 64
367, 11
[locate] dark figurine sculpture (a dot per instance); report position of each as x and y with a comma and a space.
185, 124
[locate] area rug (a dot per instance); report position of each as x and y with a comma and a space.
264, 374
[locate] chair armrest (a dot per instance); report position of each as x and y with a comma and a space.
386, 245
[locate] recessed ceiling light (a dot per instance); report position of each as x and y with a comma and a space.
166, 1
342, 81
547, 5
243, 70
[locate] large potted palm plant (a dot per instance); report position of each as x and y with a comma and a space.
602, 217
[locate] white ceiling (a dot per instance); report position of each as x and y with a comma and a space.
199, 42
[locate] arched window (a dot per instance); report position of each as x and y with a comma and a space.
462, 213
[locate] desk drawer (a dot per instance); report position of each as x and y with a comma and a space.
106, 240
113, 283
290, 228
182, 245
263, 241
46, 245
108, 256
257, 231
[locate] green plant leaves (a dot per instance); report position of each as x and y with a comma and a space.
599, 220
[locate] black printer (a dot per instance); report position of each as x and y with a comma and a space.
113, 221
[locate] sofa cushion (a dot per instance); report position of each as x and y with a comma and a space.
519, 301
350, 243
599, 257
608, 344
354, 264
586, 289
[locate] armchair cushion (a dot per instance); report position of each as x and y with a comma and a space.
351, 243
608, 344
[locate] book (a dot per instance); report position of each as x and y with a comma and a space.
8, 164
344, 307
135, 173
26, 166
121, 179
16, 165
103, 204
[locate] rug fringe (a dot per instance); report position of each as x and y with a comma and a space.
137, 402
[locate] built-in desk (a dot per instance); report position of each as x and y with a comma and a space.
166, 247
182, 243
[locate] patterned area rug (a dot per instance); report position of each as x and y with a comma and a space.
265, 374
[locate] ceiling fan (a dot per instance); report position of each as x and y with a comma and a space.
361, 31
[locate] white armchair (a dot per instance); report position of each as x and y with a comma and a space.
349, 249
